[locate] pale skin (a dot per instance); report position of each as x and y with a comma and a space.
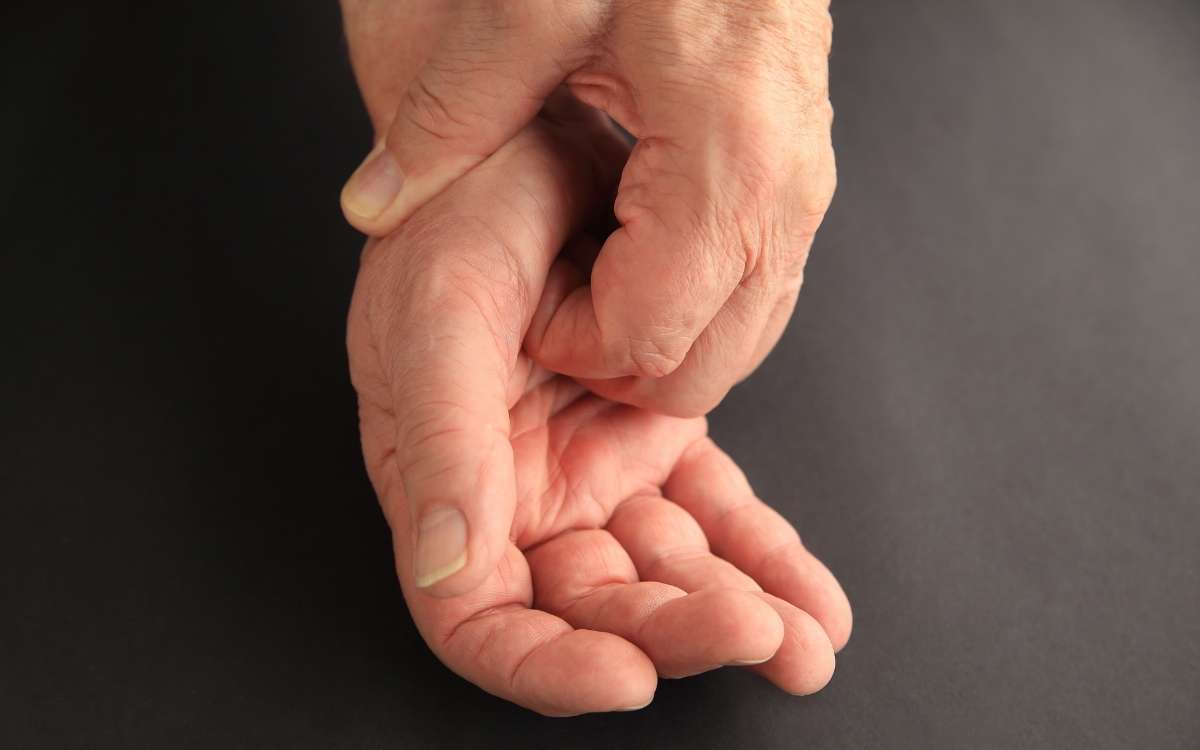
556, 548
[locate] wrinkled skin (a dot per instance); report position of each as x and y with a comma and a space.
608, 545
717, 206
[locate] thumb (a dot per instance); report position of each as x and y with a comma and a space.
447, 301
432, 379
486, 79
454, 457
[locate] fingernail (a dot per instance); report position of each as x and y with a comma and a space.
374, 185
441, 546
635, 708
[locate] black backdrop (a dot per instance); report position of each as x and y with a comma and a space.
985, 415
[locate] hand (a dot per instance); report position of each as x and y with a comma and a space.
718, 204
434, 336
535, 544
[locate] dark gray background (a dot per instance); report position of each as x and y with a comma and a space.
985, 416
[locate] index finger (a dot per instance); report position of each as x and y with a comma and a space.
657, 283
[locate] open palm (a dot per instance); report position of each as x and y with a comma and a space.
601, 544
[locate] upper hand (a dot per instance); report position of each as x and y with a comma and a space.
717, 205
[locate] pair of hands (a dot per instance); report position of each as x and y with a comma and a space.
558, 544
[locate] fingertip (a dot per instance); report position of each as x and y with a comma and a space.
587, 671
459, 576
381, 194
436, 575
806, 582
805, 661
819, 660
451, 555
742, 621
368, 197
838, 620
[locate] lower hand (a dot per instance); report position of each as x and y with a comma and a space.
555, 548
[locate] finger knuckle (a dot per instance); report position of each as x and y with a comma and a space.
458, 267
437, 437
457, 253
430, 422
430, 108
816, 195
657, 356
